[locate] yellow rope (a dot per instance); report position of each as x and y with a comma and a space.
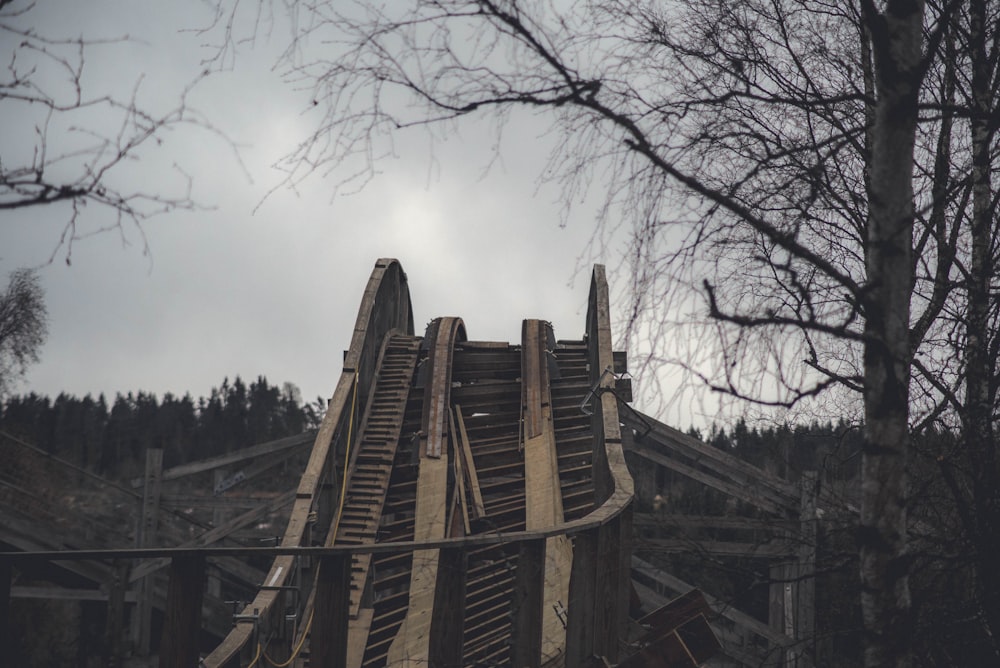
298, 648
256, 658
336, 525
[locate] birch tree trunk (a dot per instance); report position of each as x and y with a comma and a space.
896, 35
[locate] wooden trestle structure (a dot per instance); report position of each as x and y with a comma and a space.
465, 503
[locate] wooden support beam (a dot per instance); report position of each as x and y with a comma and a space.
721, 608
65, 594
116, 613
146, 536
526, 606
762, 550
582, 598
543, 493
759, 482
448, 615
686, 522
459, 525
332, 611
241, 455
607, 616
218, 533
805, 603
182, 620
478, 508
746, 493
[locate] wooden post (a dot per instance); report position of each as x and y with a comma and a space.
116, 613
448, 620
182, 621
526, 607
218, 514
582, 598
607, 616
146, 537
780, 614
332, 611
805, 617
624, 522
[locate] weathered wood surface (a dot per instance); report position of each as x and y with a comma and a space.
543, 493
595, 605
385, 307
331, 613
218, 533
687, 455
241, 455
613, 486
721, 608
412, 644
179, 647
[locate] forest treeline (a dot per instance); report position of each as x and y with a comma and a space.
111, 437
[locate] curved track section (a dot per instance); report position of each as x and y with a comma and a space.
485, 509
385, 308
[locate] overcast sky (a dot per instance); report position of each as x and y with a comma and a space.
232, 291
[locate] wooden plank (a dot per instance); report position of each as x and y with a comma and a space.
331, 613
465, 452
115, 621
805, 603
582, 598
258, 468
698, 522
733, 643
182, 619
721, 608
236, 457
543, 493
357, 636
65, 593
526, 606
460, 481
734, 468
606, 607
218, 533
411, 643
742, 492
146, 536
448, 614
532, 378
762, 550
204, 501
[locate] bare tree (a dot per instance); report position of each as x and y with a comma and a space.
71, 140
23, 326
763, 153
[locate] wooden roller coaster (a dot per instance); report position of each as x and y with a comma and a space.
485, 513
465, 503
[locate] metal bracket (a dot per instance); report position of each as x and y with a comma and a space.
596, 390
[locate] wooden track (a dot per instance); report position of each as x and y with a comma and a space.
465, 503
447, 439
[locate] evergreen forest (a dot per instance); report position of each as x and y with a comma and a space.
110, 438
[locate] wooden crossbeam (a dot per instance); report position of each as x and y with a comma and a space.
240, 455
732, 469
217, 533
